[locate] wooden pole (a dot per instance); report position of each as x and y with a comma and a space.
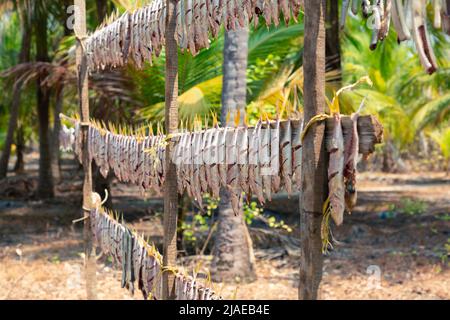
314, 159
82, 76
171, 122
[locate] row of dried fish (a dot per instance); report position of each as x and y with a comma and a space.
409, 19
140, 262
137, 160
260, 161
138, 35
256, 161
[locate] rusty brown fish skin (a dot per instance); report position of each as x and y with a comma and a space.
336, 172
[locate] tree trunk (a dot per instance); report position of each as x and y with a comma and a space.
56, 165
83, 94
24, 56
171, 123
59, 104
19, 167
233, 250
45, 184
314, 159
333, 54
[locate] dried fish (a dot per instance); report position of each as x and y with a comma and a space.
286, 156
344, 11
398, 18
376, 27
243, 159
445, 16
437, 7
335, 172
385, 23
365, 8
350, 161
202, 155
213, 154
275, 155
297, 128
223, 167
254, 176
421, 37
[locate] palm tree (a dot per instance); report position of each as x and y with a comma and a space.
22, 8
45, 184
274, 60
233, 252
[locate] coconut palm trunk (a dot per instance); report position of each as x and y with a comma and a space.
24, 56
233, 251
45, 184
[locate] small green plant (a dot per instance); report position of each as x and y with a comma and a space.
251, 211
413, 207
444, 217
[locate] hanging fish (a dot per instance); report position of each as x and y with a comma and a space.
286, 156
335, 172
344, 12
264, 156
399, 21
284, 5
350, 161
243, 160
377, 18
296, 143
223, 167
421, 37
254, 176
365, 8
275, 155
233, 171
202, 155
385, 23
445, 16
214, 182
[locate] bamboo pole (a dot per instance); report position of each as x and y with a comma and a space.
314, 161
83, 93
171, 122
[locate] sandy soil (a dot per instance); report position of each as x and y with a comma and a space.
384, 252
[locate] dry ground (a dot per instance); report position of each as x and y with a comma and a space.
383, 252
